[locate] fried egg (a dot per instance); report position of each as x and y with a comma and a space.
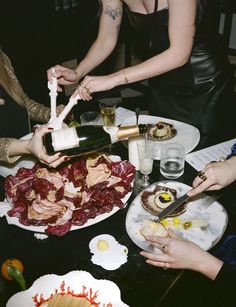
107, 252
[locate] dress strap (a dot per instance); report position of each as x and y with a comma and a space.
156, 5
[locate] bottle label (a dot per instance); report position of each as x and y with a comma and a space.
64, 139
113, 133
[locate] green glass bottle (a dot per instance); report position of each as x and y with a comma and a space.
87, 139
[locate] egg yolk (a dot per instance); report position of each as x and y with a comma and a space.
102, 245
165, 197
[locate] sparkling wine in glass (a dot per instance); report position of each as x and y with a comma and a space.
145, 162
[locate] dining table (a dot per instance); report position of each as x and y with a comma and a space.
140, 284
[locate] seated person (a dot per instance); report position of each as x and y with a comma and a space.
15, 110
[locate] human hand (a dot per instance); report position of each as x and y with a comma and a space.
177, 253
214, 176
92, 84
65, 76
182, 254
35, 147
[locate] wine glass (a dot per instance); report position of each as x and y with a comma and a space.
145, 162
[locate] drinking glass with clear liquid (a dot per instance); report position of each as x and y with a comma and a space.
145, 162
108, 111
172, 160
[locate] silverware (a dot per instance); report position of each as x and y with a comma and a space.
208, 201
137, 112
172, 207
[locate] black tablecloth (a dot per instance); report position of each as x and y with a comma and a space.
141, 285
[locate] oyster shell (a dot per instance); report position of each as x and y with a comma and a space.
160, 198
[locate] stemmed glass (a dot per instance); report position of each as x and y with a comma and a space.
145, 162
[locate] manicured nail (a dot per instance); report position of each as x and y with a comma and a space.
50, 128
66, 158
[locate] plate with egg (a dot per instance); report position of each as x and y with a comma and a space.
107, 252
163, 131
201, 220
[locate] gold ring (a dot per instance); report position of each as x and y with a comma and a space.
202, 175
88, 91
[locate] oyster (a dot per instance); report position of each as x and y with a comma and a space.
160, 198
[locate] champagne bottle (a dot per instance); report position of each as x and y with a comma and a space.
87, 139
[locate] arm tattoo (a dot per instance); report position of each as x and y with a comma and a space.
113, 13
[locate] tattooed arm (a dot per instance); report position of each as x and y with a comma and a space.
109, 26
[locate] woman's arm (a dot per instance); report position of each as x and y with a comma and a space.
36, 111
182, 254
109, 27
181, 34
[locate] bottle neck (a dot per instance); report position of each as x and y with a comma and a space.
130, 131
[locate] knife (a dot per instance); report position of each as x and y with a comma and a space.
172, 207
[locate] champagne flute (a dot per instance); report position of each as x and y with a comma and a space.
145, 162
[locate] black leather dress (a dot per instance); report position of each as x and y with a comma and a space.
198, 92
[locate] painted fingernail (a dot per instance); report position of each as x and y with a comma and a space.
50, 128
60, 155
66, 158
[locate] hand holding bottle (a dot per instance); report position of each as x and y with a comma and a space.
35, 147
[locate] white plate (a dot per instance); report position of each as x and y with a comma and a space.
6, 206
25, 161
215, 215
187, 135
108, 291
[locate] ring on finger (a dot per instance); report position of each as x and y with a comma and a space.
88, 91
163, 249
202, 175
164, 266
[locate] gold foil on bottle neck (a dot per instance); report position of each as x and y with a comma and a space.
127, 132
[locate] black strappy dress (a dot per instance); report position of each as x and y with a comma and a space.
198, 92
